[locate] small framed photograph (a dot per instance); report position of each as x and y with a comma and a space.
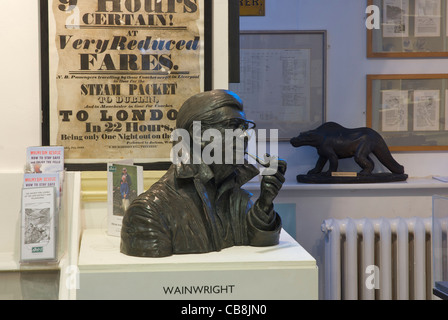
410, 111
124, 184
282, 80
408, 29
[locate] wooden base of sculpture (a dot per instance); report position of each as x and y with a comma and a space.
371, 178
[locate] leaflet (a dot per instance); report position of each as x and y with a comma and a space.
38, 234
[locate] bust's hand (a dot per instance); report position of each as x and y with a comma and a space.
271, 183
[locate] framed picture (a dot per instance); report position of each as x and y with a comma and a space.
115, 73
410, 111
124, 184
282, 80
409, 28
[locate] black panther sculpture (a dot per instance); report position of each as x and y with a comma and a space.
334, 142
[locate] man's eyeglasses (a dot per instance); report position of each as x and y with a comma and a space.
236, 123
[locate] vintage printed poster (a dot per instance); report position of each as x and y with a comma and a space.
427, 18
426, 110
394, 111
396, 18
119, 72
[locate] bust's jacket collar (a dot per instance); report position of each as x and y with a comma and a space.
244, 173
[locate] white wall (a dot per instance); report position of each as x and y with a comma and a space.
19, 82
347, 68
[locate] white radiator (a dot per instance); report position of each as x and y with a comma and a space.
384, 259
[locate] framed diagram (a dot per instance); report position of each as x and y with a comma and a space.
283, 80
410, 111
115, 73
409, 29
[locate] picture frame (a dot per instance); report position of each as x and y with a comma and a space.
408, 29
124, 184
410, 111
283, 80
91, 53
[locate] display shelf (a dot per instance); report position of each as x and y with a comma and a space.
410, 183
246, 272
100, 251
69, 240
8, 261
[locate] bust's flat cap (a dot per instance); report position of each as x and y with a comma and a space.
205, 102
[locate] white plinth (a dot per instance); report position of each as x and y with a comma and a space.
285, 271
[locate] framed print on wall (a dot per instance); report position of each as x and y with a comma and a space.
282, 80
409, 29
115, 73
410, 111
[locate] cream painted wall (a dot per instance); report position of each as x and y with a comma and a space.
19, 83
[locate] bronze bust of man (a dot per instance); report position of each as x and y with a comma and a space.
199, 207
